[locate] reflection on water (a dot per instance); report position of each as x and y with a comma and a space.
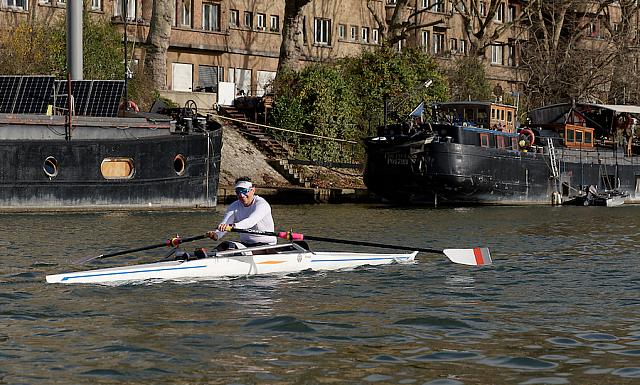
560, 305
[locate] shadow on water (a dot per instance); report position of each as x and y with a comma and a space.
558, 306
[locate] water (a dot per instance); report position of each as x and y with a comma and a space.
560, 305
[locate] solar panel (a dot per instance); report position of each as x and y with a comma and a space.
92, 97
80, 89
34, 95
9, 86
105, 97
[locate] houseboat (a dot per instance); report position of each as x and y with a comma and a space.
70, 145
475, 153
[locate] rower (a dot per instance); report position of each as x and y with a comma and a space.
249, 212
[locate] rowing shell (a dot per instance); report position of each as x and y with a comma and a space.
286, 258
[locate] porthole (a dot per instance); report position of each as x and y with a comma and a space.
179, 164
50, 167
117, 168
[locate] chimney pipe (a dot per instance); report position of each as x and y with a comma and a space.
74, 38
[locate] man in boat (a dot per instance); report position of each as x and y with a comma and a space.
250, 211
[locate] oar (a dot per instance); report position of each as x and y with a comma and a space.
173, 242
477, 256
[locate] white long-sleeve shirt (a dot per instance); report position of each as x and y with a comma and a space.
256, 216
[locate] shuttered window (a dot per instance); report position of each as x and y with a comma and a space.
208, 78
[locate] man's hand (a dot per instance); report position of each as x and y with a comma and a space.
224, 227
213, 235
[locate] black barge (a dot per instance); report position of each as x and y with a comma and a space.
99, 156
472, 153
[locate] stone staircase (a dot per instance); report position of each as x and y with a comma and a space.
290, 172
267, 144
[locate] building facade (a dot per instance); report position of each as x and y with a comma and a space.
239, 40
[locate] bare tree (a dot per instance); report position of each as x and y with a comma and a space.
155, 60
480, 26
624, 81
404, 20
292, 37
561, 63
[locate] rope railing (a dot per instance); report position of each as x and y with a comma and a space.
304, 145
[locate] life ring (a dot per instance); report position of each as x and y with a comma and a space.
527, 134
131, 104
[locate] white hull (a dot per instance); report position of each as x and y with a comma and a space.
232, 265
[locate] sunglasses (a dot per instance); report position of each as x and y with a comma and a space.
242, 191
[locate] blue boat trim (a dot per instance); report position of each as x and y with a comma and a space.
132, 272
359, 259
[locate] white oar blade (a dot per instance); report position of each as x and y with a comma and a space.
478, 256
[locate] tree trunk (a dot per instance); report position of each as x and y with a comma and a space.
155, 60
292, 37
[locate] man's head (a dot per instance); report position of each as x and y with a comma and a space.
245, 190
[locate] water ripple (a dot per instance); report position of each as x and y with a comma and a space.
522, 363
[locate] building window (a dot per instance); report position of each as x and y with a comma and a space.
118, 4
210, 17
439, 6
425, 4
185, 9
365, 34
463, 46
496, 54
483, 9
63, 3
248, 20
17, 4
342, 31
261, 20
274, 23
453, 45
438, 43
208, 77
375, 37
499, 17
322, 31
511, 15
512, 55
354, 33
426, 38
96, 5
234, 15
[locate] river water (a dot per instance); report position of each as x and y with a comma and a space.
560, 304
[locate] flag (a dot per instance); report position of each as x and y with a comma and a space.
417, 112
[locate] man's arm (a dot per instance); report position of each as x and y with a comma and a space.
262, 209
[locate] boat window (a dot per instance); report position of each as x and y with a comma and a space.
501, 114
482, 117
509, 116
484, 140
179, 164
117, 168
578, 136
468, 114
570, 136
587, 137
50, 167
500, 141
493, 113
514, 143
